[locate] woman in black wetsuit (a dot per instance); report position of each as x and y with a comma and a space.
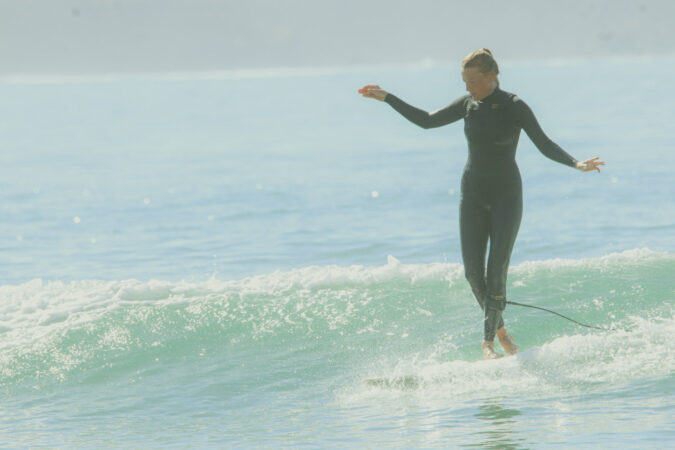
491, 201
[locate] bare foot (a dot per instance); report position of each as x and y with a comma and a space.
508, 344
489, 351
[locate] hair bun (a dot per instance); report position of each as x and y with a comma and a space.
481, 59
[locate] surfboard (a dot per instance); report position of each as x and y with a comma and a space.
402, 382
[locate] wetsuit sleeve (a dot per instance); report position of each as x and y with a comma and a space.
451, 113
550, 149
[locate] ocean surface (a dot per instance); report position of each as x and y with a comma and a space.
266, 259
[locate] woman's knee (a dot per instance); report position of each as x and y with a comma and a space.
475, 278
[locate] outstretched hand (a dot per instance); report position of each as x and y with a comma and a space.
590, 164
373, 91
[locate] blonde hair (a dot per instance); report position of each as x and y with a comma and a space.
482, 60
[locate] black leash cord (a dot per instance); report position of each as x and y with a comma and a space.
558, 314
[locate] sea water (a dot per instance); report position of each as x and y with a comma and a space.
266, 259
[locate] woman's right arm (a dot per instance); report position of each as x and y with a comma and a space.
443, 116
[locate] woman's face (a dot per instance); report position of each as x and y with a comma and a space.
479, 85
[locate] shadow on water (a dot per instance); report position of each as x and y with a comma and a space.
499, 428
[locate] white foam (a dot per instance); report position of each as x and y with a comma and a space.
313, 277
568, 365
321, 276
29, 310
627, 257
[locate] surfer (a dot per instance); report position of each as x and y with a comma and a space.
491, 201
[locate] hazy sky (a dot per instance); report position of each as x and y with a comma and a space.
112, 36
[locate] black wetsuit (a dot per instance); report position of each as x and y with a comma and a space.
492, 201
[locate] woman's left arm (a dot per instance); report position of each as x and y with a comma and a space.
546, 146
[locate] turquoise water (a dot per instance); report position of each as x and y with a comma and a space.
268, 260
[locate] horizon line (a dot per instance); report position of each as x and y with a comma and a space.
295, 71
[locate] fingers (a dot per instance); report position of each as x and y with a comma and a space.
592, 164
367, 88
370, 90
594, 161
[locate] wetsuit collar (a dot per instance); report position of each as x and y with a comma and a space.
492, 96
